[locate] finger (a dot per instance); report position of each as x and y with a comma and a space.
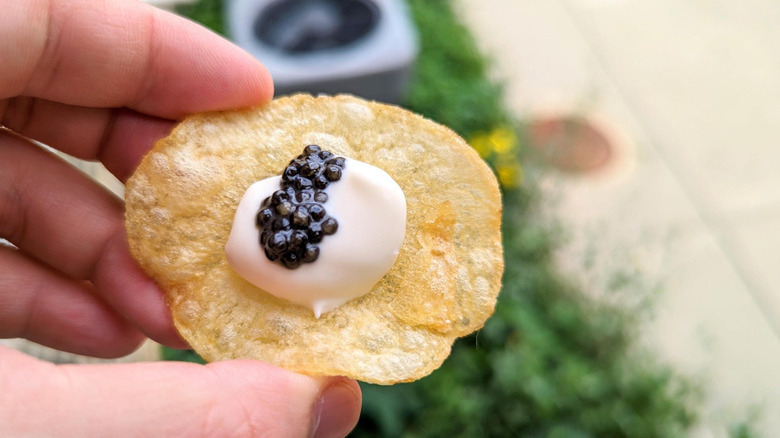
43, 306
122, 283
123, 53
60, 217
237, 399
52, 210
118, 138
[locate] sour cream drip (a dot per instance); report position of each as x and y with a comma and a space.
370, 208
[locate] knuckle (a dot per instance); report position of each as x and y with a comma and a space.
240, 418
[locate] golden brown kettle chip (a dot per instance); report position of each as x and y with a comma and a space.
444, 284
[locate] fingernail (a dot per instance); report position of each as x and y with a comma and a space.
334, 414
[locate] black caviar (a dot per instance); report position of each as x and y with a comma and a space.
293, 220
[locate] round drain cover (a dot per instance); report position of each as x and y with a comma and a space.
571, 144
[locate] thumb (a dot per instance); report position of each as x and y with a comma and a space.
234, 398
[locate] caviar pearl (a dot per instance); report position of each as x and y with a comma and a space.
301, 217
311, 253
321, 197
317, 212
329, 226
264, 216
311, 149
333, 173
284, 208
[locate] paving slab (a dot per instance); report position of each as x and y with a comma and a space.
540, 60
690, 91
758, 233
708, 324
702, 76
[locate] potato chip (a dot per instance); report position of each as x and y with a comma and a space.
444, 284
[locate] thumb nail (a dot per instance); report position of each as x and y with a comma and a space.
336, 411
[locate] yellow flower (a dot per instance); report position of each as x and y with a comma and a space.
503, 139
500, 146
500, 140
510, 175
481, 144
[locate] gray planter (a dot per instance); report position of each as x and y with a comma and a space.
362, 47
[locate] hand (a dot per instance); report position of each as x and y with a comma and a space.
102, 80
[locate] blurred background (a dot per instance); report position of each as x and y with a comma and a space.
635, 142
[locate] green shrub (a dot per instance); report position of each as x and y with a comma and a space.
209, 13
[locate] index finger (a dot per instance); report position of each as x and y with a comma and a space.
123, 53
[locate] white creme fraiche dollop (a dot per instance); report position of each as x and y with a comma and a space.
370, 209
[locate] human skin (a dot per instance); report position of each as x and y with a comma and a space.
103, 80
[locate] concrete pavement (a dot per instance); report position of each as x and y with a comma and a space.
689, 92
